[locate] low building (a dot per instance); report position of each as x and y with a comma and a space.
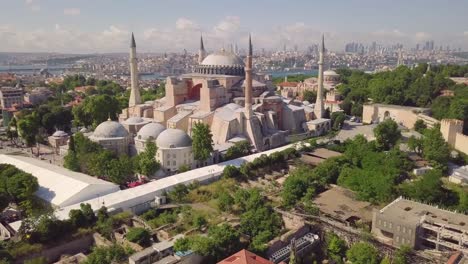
59, 186
341, 204
38, 95
58, 139
319, 126
421, 226
403, 115
174, 150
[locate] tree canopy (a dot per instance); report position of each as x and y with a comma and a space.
202, 141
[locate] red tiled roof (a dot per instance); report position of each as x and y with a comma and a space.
245, 257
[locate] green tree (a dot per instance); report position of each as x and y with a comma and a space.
415, 144
428, 188
336, 247
139, 235
363, 253
387, 134
28, 128
178, 194
202, 141
434, 147
402, 255
338, 119
106, 255
146, 160
225, 202
309, 96
231, 171
239, 149
420, 126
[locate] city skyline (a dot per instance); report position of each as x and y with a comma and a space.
105, 26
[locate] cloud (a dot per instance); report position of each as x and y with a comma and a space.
184, 34
72, 11
186, 24
228, 25
33, 5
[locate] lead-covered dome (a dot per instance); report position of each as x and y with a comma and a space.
134, 120
110, 129
151, 130
223, 58
173, 138
222, 63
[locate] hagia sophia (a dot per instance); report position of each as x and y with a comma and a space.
224, 93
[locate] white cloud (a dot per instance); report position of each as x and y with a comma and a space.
185, 33
72, 11
230, 24
186, 24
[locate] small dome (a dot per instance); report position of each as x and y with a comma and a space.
223, 58
134, 120
151, 130
330, 73
110, 129
59, 133
173, 138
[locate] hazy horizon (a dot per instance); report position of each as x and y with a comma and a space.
104, 26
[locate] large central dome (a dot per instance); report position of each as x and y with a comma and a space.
223, 58
221, 63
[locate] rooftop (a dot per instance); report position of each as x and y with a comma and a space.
245, 257
406, 210
341, 203
58, 185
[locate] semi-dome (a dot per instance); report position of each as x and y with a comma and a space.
110, 129
330, 73
173, 138
223, 58
134, 120
151, 130
59, 133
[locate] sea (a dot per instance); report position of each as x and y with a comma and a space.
61, 69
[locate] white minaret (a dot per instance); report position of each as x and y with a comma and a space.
135, 98
248, 83
319, 109
201, 51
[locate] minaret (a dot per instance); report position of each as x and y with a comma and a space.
319, 110
201, 51
248, 82
135, 98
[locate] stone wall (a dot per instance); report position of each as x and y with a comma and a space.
73, 247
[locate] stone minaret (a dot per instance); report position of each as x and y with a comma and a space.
135, 98
201, 51
319, 109
248, 82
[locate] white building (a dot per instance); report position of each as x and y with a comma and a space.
459, 175
59, 186
174, 150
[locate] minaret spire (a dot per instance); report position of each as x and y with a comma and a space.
133, 43
248, 82
319, 109
201, 51
135, 98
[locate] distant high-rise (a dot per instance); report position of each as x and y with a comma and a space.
135, 98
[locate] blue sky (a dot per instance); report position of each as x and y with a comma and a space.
172, 25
